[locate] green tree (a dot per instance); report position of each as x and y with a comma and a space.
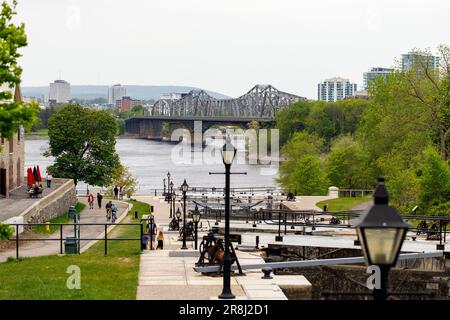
122, 177
434, 180
347, 165
301, 145
307, 177
13, 114
82, 140
292, 119
6, 231
430, 87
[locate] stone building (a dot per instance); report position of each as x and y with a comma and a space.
12, 158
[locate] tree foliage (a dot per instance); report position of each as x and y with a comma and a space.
401, 132
434, 181
82, 140
12, 38
6, 231
122, 178
347, 165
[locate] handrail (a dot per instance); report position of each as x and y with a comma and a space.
78, 238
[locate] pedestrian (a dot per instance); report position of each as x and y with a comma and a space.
113, 213
108, 210
160, 240
49, 180
120, 193
36, 190
99, 200
116, 193
91, 201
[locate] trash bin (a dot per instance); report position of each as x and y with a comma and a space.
71, 245
72, 212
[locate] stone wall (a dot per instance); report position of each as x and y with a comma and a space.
54, 204
428, 274
353, 279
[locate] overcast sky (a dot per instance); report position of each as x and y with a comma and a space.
223, 45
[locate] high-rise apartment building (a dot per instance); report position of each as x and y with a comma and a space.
335, 89
59, 92
116, 92
412, 58
374, 73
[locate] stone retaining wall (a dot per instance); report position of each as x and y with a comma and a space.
52, 205
353, 279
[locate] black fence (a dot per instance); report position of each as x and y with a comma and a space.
434, 227
77, 231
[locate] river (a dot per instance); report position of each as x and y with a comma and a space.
149, 161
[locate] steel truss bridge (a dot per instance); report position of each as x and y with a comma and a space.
262, 101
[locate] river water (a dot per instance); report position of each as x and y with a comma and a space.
149, 161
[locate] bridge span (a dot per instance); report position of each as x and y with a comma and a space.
155, 127
259, 104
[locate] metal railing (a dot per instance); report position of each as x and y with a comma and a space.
78, 238
316, 219
353, 193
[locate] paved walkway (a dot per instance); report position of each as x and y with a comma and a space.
177, 280
52, 247
169, 274
306, 202
19, 200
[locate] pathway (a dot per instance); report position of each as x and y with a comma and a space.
18, 200
52, 247
169, 274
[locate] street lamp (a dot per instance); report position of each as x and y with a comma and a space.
178, 215
164, 181
168, 181
196, 218
172, 209
171, 187
381, 232
228, 154
184, 189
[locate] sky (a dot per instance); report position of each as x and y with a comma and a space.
226, 46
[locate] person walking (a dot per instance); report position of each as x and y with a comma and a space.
99, 200
108, 210
91, 201
160, 240
49, 180
116, 193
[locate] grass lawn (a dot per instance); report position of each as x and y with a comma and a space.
102, 277
41, 133
343, 204
64, 218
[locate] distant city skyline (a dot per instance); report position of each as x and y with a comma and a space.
223, 46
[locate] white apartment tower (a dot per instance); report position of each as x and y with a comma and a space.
116, 92
59, 92
335, 89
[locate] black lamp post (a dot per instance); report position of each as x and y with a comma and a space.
184, 189
228, 154
172, 210
164, 191
382, 232
178, 215
196, 218
168, 182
